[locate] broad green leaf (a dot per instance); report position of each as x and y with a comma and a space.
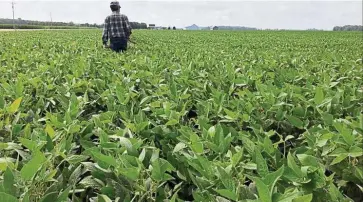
64, 195
271, 179
2, 102
226, 179
308, 160
179, 147
31, 145
355, 152
103, 198
230, 114
263, 191
196, 144
7, 197
108, 160
236, 158
49, 197
160, 166
292, 164
319, 96
50, 131
31, 168
9, 182
345, 132
248, 144
74, 159
262, 168
132, 173
228, 194
338, 159
305, 198
15, 105
296, 122
172, 122
6, 162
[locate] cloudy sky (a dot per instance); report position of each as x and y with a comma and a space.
287, 14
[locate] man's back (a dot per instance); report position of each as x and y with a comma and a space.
116, 26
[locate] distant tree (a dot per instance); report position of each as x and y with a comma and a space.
348, 28
169, 28
174, 28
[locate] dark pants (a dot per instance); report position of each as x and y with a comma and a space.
118, 44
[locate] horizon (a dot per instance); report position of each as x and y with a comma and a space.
291, 15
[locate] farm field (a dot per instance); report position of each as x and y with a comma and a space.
181, 116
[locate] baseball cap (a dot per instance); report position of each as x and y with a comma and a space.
115, 3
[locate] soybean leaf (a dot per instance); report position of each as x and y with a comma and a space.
228, 194
262, 168
319, 96
28, 171
263, 191
15, 105
296, 122
305, 198
7, 197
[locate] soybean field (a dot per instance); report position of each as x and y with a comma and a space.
214, 116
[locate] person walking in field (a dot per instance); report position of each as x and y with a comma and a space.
117, 29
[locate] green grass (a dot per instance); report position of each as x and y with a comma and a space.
181, 116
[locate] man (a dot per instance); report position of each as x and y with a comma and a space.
117, 29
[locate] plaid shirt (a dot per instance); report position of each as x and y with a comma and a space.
116, 25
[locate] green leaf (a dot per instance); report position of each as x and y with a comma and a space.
64, 195
228, 194
296, 122
49, 197
263, 191
103, 198
49, 130
5, 163
345, 132
339, 158
126, 143
172, 122
9, 182
132, 173
230, 114
272, 178
160, 166
108, 160
292, 164
30, 169
7, 198
319, 96
305, 198
262, 168
196, 145
15, 105
74, 159
355, 152
328, 118
2, 102
236, 158
308, 160
179, 147
226, 179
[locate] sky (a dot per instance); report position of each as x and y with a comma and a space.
266, 14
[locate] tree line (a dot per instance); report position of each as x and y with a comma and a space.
348, 28
33, 23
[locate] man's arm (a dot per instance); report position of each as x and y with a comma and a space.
106, 28
128, 28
